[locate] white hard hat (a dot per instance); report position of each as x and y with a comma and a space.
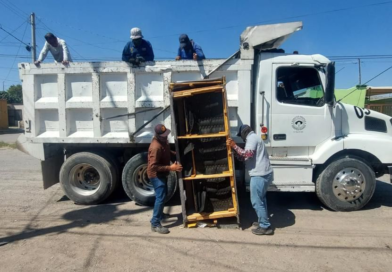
136, 33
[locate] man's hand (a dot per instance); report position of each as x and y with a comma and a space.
194, 56
37, 63
230, 142
176, 167
65, 62
178, 57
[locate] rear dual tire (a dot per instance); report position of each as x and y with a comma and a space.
137, 185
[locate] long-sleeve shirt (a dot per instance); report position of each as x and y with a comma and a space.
143, 50
188, 54
255, 156
60, 52
158, 159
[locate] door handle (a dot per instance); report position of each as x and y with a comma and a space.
279, 137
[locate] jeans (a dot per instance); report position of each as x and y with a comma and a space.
258, 193
160, 187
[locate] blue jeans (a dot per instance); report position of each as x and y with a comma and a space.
160, 187
258, 197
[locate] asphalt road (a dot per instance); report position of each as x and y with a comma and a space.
46, 231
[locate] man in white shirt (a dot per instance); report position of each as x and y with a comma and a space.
57, 47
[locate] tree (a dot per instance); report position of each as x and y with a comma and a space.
13, 94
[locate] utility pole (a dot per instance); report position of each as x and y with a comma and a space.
33, 51
359, 71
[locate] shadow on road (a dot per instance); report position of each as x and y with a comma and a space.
11, 131
80, 218
97, 214
279, 205
382, 196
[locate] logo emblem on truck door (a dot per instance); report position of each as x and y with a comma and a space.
298, 123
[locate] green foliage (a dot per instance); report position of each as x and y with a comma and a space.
7, 145
13, 95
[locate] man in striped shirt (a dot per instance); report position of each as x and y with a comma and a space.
258, 164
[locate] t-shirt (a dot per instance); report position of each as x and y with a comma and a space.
259, 164
59, 53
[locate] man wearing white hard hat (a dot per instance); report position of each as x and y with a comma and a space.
138, 49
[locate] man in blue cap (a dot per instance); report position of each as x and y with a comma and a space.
261, 175
138, 49
189, 49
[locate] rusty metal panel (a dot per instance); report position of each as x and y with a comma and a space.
3, 114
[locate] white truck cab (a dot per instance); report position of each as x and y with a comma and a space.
100, 118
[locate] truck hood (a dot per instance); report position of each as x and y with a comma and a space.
355, 120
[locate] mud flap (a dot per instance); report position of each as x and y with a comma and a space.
50, 170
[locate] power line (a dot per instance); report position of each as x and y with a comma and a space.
13, 31
390, 67
340, 70
95, 45
9, 80
17, 53
17, 8
13, 10
67, 45
281, 19
14, 36
359, 56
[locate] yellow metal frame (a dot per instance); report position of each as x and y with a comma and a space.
199, 136
232, 212
197, 91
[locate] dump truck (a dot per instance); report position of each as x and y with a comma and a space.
90, 123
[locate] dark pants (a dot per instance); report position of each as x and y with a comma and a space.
160, 187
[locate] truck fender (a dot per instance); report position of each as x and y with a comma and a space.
326, 150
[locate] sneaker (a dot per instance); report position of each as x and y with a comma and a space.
160, 229
262, 231
255, 224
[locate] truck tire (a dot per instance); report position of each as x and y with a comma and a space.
87, 178
346, 185
137, 185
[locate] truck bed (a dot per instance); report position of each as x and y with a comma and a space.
72, 104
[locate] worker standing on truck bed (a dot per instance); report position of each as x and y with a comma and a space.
138, 49
57, 47
261, 175
158, 170
189, 49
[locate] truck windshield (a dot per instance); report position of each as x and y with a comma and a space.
299, 85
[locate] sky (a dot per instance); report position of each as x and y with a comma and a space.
98, 30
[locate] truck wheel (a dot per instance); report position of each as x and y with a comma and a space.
137, 184
87, 178
346, 185
114, 162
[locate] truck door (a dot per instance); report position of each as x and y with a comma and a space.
300, 118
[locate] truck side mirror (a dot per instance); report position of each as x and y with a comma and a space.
330, 85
